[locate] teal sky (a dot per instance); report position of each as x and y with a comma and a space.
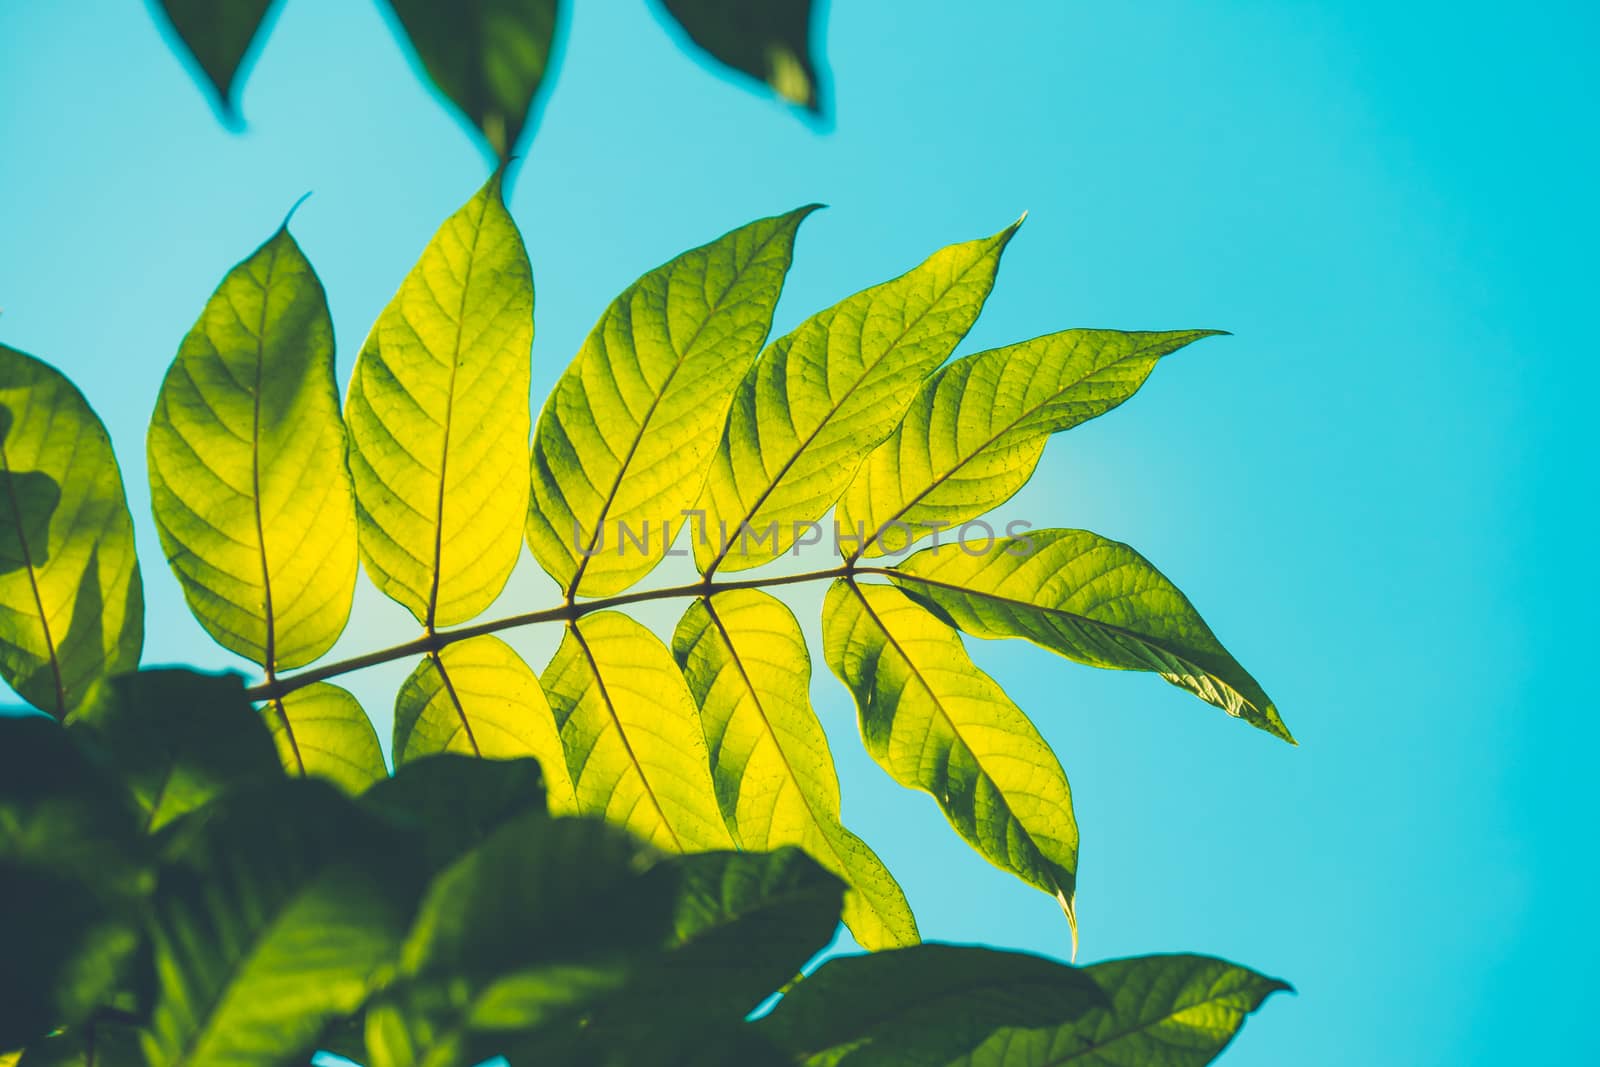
1379, 491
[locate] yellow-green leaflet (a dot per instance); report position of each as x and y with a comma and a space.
974, 434
624, 440
1093, 600
631, 731
936, 722
321, 730
246, 451
71, 603
479, 698
438, 415
820, 399
746, 662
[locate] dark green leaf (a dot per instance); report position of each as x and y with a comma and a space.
217, 34
96, 1044
769, 40
454, 802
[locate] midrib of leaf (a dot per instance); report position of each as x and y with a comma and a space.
33, 584
1135, 1028
916, 671
975, 453
655, 401
627, 746
461, 712
449, 414
288, 731
1012, 602
794, 458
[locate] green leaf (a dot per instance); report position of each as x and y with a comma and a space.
321, 730
217, 35
71, 603
936, 722
281, 904
478, 697
488, 58
632, 734
928, 1004
769, 41
451, 803
97, 1044
438, 415
72, 863
625, 438
1092, 600
247, 465
974, 434
746, 663
820, 399
178, 738
1164, 1011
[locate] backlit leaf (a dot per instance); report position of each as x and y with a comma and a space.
746, 662
936, 722
178, 738
479, 698
217, 35
1092, 600
488, 58
322, 730
71, 603
820, 399
974, 434
247, 465
625, 438
632, 734
770, 41
438, 415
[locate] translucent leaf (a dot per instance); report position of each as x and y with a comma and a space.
769, 41
322, 730
217, 34
73, 868
922, 1005
71, 603
1092, 600
247, 465
177, 738
974, 434
478, 697
820, 399
625, 438
438, 416
632, 734
937, 723
746, 662
488, 58
275, 913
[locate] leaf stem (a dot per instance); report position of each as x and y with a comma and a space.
274, 688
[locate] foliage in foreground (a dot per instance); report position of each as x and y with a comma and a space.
490, 58
174, 897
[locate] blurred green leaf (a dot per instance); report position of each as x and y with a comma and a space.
453, 802
769, 40
71, 602
93, 1044
218, 34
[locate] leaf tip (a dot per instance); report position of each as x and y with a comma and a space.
289, 215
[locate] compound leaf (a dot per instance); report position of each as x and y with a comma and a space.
1092, 600
71, 602
624, 440
322, 730
820, 399
631, 731
975, 432
177, 738
479, 698
936, 722
438, 416
771, 42
488, 58
746, 663
217, 34
246, 451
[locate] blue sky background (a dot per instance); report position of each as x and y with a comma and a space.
1380, 492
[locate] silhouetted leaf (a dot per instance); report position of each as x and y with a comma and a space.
454, 802
218, 35
746, 662
769, 40
71, 603
93, 1044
